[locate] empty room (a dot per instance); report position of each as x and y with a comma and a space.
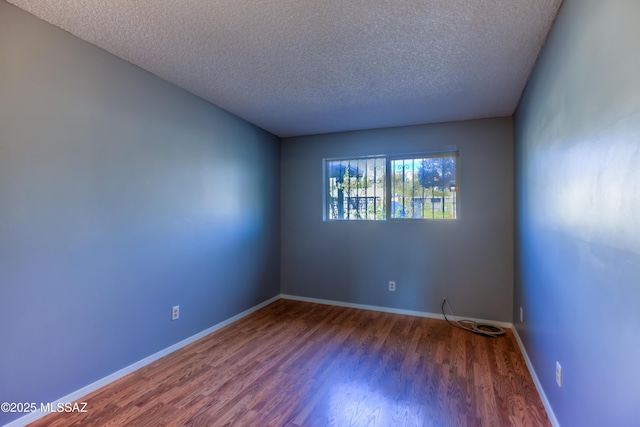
320, 213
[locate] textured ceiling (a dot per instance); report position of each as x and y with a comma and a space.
297, 67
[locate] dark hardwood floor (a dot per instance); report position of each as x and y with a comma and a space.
302, 364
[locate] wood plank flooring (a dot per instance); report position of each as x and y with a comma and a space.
302, 364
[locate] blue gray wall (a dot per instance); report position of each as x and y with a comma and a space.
577, 134
469, 260
120, 196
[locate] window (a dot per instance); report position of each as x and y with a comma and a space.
356, 188
422, 186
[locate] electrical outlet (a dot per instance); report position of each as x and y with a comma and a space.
558, 374
392, 286
175, 312
521, 315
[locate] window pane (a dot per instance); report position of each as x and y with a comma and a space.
424, 188
356, 189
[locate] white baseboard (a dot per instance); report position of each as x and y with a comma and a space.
536, 381
390, 310
76, 395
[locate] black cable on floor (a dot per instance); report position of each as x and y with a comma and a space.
485, 329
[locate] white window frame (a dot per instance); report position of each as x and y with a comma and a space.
388, 159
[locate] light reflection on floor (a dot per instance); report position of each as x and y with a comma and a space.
351, 405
